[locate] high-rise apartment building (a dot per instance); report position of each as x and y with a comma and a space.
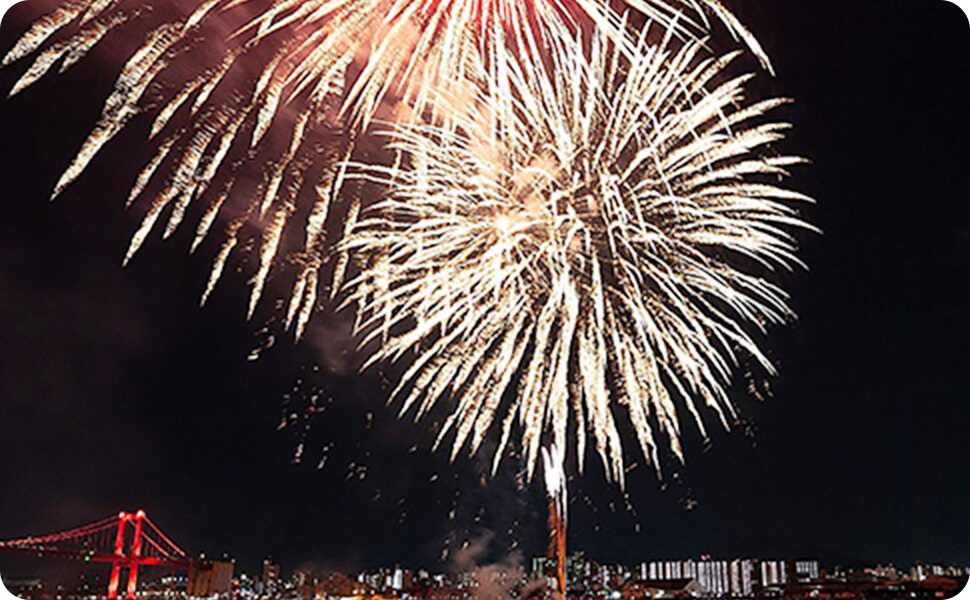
773, 573
806, 570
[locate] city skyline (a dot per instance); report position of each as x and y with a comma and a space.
116, 390
705, 577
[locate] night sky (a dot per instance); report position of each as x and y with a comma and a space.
117, 391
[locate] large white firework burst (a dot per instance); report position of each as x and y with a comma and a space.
284, 88
588, 244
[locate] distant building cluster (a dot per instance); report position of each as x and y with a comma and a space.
704, 578
738, 577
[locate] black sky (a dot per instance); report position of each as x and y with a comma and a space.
117, 391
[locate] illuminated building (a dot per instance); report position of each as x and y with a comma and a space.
742, 573
806, 570
271, 577
773, 573
578, 572
715, 577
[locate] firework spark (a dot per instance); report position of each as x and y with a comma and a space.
594, 236
283, 88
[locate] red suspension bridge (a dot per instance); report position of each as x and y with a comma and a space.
126, 541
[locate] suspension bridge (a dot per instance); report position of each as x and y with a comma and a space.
126, 541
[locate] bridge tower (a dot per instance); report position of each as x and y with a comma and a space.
121, 560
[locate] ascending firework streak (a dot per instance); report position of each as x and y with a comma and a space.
237, 84
590, 241
553, 468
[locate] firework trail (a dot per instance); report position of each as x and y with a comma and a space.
553, 469
284, 88
594, 236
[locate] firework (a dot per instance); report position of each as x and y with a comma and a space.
590, 243
553, 463
254, 104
